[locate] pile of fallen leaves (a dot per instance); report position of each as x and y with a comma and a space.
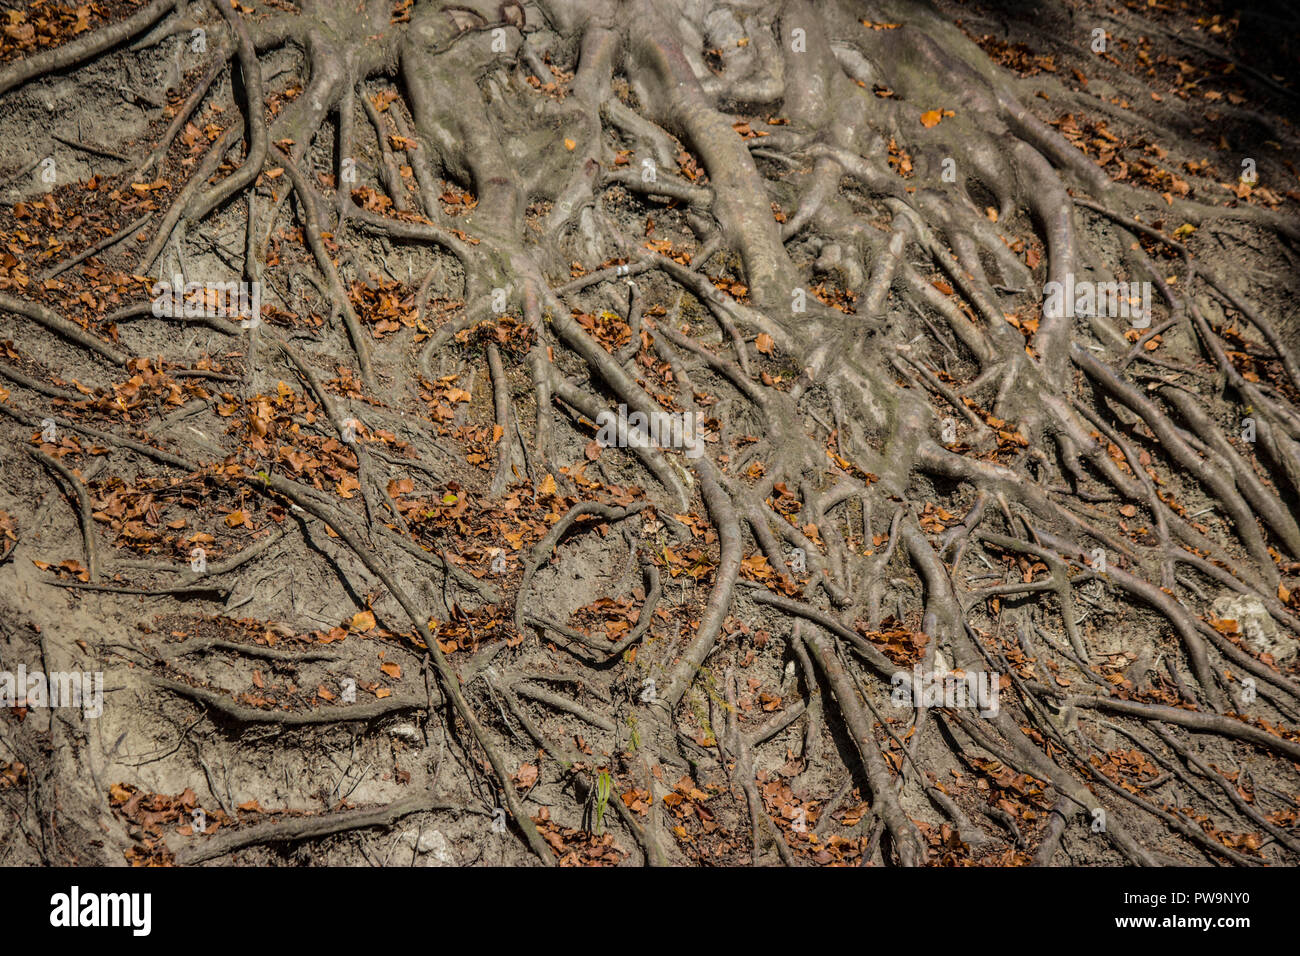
146, 516
695, 826
901, 645
1016, 57
1131, 769
615, 617
578, 847
797, 818
12, 774
607, 328
48, 24
147, 815
507, 332
385, 306
1021, 796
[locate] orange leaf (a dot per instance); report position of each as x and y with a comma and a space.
527, 775
931, 118
362, 621
345, 487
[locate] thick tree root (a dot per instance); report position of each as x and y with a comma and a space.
882, 350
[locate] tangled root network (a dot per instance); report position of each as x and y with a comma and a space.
679, 432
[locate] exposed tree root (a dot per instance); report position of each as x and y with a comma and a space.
880, 351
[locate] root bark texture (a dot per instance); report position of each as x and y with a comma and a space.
883, 533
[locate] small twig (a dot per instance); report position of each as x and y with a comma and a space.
98, 247
89, 147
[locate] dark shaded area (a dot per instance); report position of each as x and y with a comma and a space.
1261, 36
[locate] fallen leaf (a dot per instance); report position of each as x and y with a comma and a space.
526, 776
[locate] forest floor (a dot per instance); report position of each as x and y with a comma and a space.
206, 747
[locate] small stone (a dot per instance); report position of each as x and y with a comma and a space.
437, 847
406, 732
434, 848
1255, 625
